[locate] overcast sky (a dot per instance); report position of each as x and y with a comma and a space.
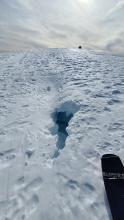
62, 23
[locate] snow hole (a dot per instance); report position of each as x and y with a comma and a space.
61, 117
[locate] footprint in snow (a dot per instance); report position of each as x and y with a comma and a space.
26, 200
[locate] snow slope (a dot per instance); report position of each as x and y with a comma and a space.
38, 180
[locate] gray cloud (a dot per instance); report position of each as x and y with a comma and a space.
116, 44
115, 9
61, 23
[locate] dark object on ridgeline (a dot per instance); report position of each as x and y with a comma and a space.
80, 47
113, 175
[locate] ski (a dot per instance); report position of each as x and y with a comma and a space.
113, 176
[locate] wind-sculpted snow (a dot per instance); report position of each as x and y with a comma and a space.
34, 184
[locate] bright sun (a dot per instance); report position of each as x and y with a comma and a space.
85, 1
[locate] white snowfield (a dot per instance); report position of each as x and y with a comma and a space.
39, 179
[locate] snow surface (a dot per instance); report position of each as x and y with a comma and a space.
34, 86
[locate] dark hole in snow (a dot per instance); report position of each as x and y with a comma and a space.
61, 117
62, 120
29, 153
48, 88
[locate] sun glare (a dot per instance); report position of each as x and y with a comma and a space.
85, 1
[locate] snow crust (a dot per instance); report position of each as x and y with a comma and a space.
33, 86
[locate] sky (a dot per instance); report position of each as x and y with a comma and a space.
26, 24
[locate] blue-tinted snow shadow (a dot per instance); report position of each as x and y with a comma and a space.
61, 117
62, 120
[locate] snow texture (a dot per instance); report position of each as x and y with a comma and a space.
35, 181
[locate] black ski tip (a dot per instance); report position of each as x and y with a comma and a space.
113, 176
106, 156
111, 163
